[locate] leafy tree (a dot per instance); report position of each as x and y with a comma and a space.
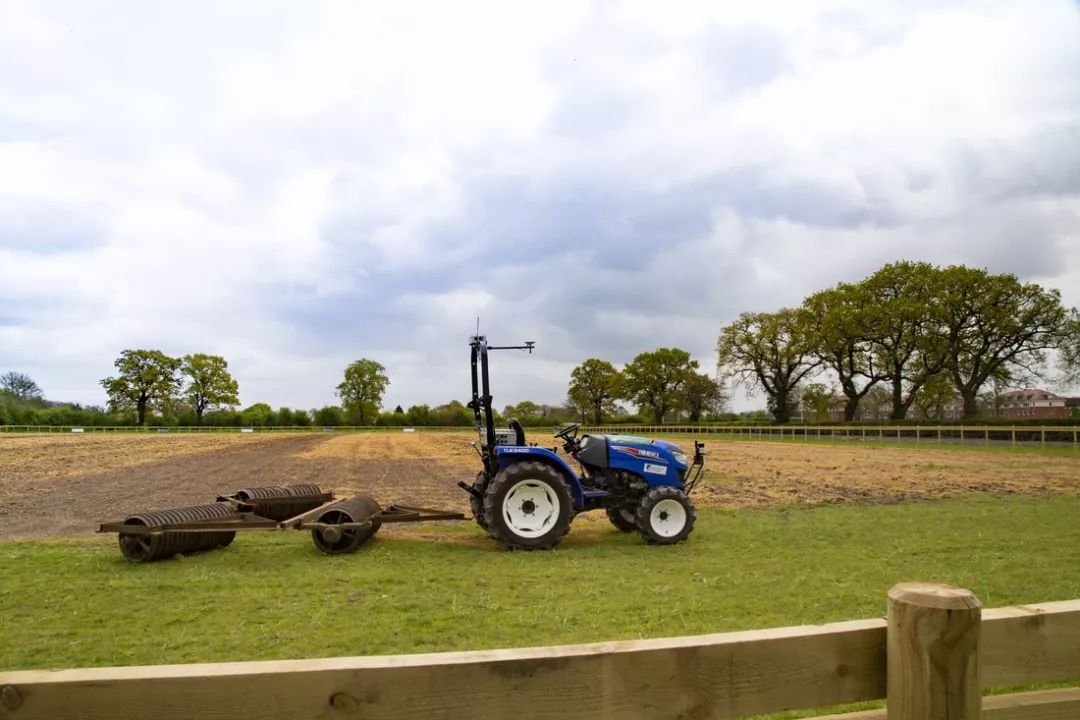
258, 415
146, 378
526, 410
655, 380
840, 328
595, 384
701, 395
329, 416
817, 402
993, 324
362, 390
418, 415
20, 385
876, 405
209, 384
771, 351
1069, 353
934, 396
903, 299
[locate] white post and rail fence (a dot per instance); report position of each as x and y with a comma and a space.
931, 659
986, 434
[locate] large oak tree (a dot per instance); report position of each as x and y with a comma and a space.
209, 383
655, 380
994, 324
594, 386
145, 378
20, 385
903, 298
841, 328
770, 351
362, 389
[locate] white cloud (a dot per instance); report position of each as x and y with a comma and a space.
296, 186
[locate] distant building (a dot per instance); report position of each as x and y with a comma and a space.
1032, 403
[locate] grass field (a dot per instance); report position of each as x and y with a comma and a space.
78, 603
789, 533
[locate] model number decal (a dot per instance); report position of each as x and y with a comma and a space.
637, 451
656, 469
514, 450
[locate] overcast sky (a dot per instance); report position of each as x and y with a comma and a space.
295, 186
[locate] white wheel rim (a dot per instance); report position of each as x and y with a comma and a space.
668, 518
531, 508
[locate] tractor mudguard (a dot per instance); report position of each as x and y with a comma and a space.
509, 455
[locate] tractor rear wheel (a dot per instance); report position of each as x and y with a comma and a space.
623, 518
665, 516
527, 506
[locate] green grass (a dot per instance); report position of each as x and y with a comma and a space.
78, 603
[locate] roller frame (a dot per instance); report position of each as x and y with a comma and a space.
250, 521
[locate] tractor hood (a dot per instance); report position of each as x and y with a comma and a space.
665, 450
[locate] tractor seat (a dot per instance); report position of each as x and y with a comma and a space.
519, 432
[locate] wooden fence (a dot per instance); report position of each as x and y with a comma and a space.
930, 660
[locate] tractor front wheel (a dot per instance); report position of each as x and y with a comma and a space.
527, 506
665, 516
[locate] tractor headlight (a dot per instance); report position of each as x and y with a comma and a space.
680, 457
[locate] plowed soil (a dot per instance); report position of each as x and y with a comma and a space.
66, 484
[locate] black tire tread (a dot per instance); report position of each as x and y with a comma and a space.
652, 497
615, 515
508, 477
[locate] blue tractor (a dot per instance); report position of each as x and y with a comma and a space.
527, 495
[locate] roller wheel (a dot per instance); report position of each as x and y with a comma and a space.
625, 519
527, 506
665, 516
137, 548
339, 541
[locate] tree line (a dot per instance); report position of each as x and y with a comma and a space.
662, 383
926, 334
910, 334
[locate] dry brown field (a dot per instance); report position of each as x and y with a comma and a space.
66, 484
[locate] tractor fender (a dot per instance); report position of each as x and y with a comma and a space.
509, 455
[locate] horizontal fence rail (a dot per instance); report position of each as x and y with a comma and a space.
711, 676
1043, 435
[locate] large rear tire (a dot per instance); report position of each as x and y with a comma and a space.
625, 519
665, 516
527, 506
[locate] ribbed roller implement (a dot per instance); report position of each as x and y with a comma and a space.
281, 502
333, 540
337, 527
147, 547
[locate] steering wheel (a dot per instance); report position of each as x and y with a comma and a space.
565, 432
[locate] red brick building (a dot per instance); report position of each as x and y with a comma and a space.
1032, 403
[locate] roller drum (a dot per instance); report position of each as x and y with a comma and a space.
145, 548
307, 498
358, 509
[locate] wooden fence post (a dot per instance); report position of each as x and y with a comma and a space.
933, 653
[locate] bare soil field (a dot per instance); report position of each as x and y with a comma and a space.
66, 484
